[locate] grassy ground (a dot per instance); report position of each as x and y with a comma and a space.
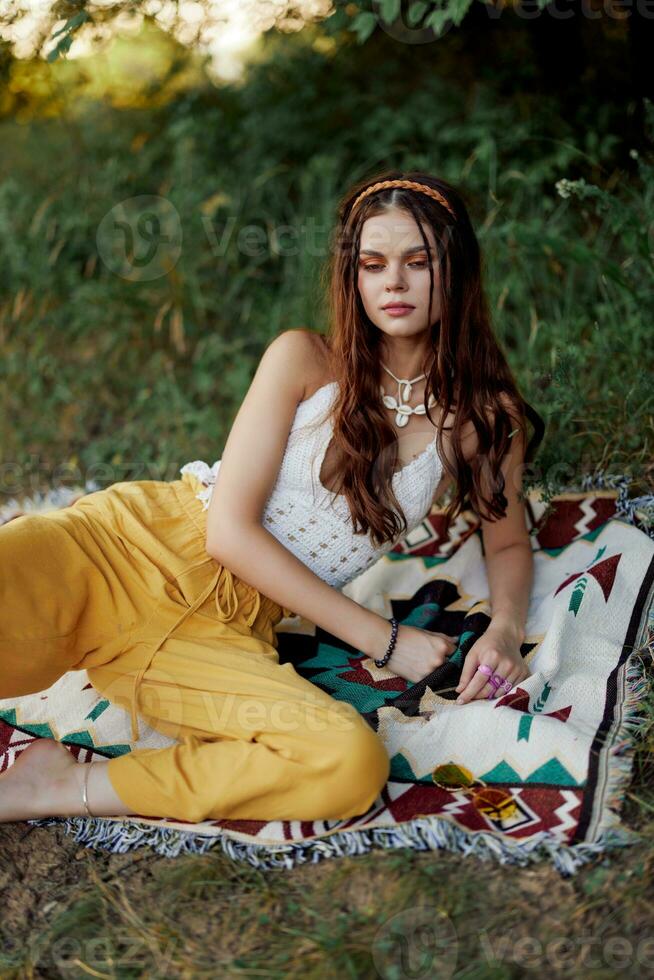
70, 911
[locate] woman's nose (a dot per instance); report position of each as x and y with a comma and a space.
395, 279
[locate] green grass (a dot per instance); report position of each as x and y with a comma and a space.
89, 913
71, 911
108, 378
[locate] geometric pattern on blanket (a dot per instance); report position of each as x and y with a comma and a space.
560, 746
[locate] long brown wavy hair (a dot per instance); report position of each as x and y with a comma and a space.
466, 369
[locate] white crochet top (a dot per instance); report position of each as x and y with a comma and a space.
314, 523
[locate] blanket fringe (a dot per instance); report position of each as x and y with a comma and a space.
638, 511
637, 719
120, 835
421, 834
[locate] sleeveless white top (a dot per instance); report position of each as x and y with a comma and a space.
314, 523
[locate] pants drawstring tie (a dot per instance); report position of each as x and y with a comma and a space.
226, 612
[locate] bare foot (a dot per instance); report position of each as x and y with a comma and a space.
24, 786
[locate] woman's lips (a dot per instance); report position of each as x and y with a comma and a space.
398, 310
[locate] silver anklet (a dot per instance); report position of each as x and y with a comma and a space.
85, 798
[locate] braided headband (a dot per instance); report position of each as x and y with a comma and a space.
412, 185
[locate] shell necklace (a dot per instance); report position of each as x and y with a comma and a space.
400, 404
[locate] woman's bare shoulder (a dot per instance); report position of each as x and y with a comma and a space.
316, 371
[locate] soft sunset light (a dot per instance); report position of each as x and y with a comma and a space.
223, 29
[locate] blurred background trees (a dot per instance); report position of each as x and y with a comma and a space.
164, 214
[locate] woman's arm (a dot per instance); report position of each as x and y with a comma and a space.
510, 574
258, 558
507, 548
509, 568
249, 468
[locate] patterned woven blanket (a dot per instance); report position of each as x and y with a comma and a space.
536, 774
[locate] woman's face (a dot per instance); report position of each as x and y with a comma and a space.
398, 270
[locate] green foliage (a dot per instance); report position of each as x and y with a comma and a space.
68, 33
358, 17
109, 377
363, 25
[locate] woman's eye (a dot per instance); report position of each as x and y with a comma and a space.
419, 264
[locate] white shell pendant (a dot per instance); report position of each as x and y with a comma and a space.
403, 411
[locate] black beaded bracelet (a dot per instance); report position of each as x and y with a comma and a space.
391, 646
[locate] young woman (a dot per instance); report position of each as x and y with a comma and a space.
168, 593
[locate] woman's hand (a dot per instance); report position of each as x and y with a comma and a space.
500, 649
418, 652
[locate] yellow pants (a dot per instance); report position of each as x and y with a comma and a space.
120, 584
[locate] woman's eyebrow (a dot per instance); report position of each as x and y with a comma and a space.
407, 251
